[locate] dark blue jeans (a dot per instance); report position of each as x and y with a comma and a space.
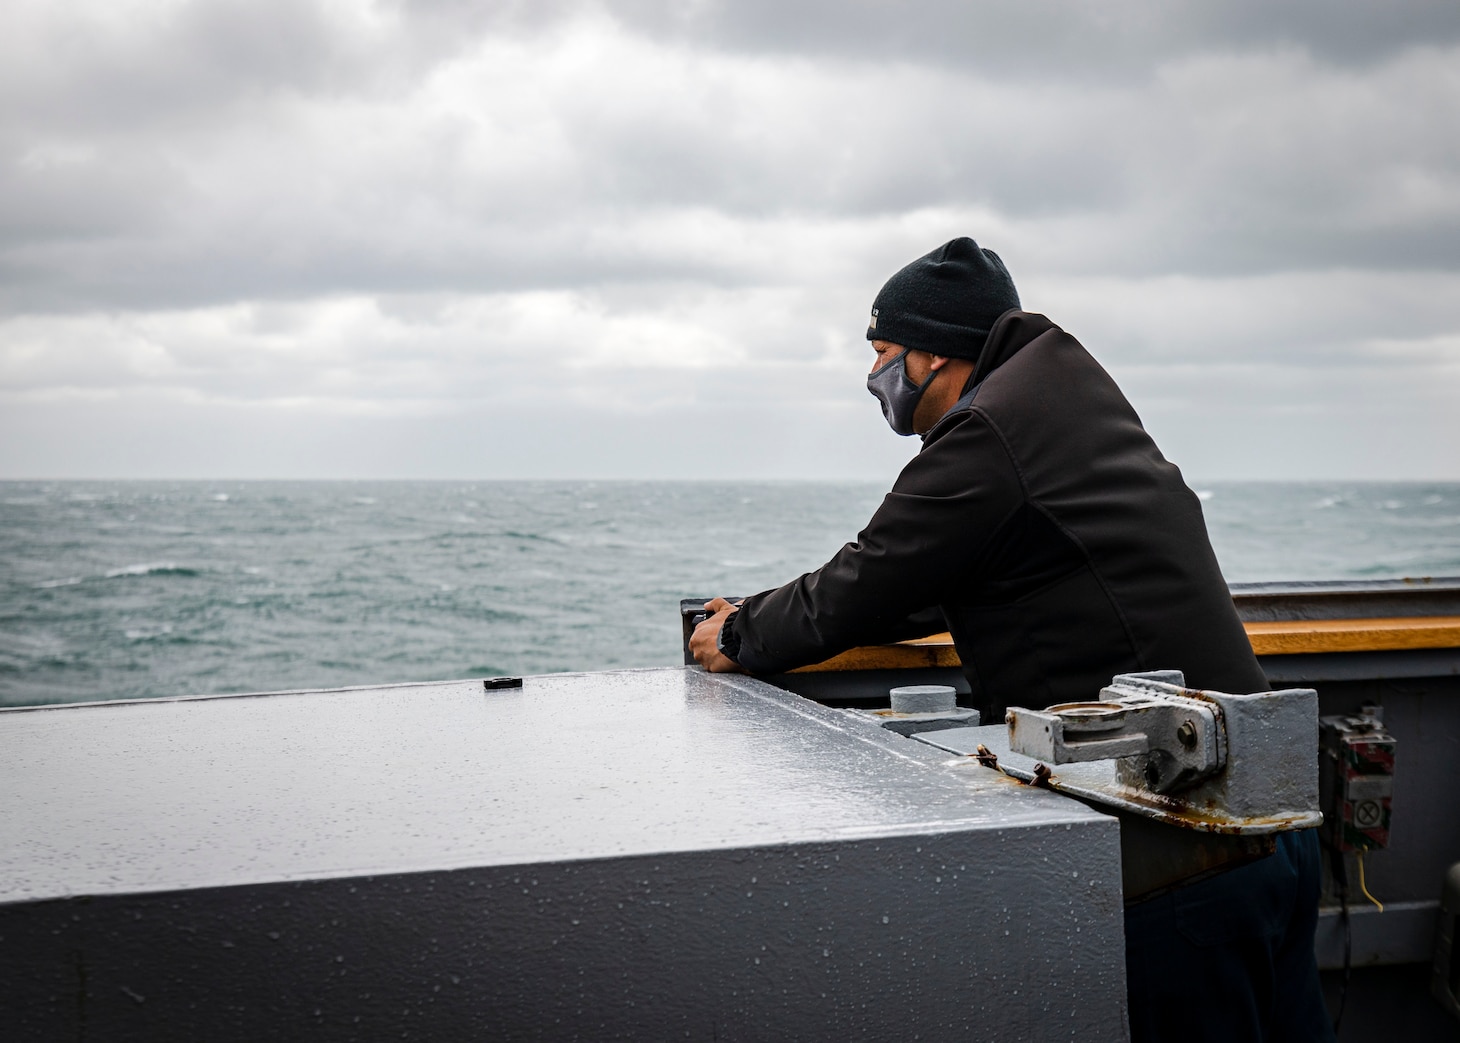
1230, 959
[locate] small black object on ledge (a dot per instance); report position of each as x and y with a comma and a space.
493, 683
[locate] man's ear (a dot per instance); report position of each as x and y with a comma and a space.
939, 361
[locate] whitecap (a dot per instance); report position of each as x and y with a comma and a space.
150, 569
1204, 494
136, 570
69, 581
221, 497
365, 501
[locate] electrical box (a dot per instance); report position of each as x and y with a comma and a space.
1356, 779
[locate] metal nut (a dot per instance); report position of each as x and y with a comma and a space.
1186, 735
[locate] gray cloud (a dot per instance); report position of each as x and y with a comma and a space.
419, 209
1036, 40
547, 160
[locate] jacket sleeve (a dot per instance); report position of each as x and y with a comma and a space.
927, 536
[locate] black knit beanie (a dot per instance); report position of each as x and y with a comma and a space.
945, 302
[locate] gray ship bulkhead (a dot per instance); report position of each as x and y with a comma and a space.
651, 853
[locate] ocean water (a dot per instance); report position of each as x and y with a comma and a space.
114, 590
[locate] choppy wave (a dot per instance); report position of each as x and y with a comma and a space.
531, 536
162, 568
158, 568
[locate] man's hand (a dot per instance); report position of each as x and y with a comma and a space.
704, 642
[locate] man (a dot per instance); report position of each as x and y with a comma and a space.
1043, 528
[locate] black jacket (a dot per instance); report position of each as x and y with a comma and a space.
1058, 543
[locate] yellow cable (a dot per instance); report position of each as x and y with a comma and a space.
1364, 888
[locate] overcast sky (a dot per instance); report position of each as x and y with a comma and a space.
452, 238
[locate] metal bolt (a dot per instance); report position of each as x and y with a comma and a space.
1186, 735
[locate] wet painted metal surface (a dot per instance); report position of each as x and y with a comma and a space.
1347, 599
648, 853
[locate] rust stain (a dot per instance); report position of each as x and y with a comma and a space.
1162, 808
1206, 817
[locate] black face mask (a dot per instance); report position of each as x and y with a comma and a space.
899, 396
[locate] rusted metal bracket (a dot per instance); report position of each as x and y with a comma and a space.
1239, 764
1164, 740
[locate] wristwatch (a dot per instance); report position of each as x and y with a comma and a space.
728, 642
